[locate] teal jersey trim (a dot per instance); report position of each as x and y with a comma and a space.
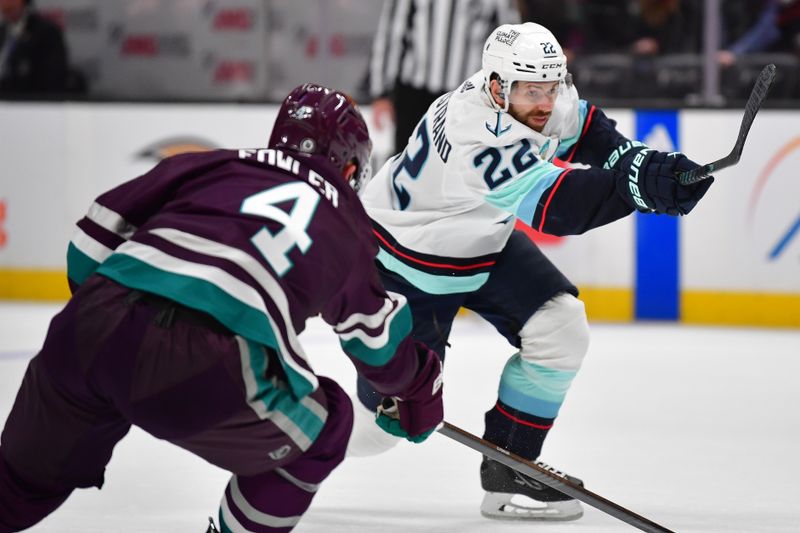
199, 294
282, 401
79, 265
399, 328
521, 196
533, 388
567, 144
431, 283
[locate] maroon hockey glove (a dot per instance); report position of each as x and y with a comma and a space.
416, 412
649, 183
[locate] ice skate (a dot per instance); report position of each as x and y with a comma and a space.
513, 496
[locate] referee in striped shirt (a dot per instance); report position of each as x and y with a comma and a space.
424, 48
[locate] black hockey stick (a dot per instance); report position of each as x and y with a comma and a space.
550, 477
757, 96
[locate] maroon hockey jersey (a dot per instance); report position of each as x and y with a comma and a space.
261, 240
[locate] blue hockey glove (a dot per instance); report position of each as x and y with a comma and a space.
648, 182
416, 412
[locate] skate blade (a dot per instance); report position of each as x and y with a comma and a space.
504, 506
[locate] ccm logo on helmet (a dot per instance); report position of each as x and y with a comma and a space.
551, 65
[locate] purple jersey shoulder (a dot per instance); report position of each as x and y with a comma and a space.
218, 198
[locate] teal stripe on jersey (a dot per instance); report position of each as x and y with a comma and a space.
223, 526
399, 328
567, 144
431, 283
520, 196
79, 265
534, 389
282, 401
199, 294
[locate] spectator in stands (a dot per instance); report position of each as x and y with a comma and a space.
33, 56
666, 27
757, 32
760, 26
750, 26
645, 28
789, 24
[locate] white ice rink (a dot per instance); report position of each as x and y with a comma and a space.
697, 429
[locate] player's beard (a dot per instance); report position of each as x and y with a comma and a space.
533, 117
537, 120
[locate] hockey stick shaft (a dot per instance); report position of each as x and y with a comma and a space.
757, 96
550, 478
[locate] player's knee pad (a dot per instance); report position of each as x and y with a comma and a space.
368, 438
553, 343
557, 335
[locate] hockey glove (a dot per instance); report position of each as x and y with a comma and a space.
649, 183
417, 411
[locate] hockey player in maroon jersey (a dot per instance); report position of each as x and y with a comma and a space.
190, 286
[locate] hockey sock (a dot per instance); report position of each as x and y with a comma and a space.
518, 432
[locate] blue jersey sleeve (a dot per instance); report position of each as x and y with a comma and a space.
574, 193
598, 138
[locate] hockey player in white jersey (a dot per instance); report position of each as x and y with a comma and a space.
514, 141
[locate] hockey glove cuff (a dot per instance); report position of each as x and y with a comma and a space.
388, 419
416, 412
648, 179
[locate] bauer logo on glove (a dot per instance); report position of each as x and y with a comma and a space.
648, 179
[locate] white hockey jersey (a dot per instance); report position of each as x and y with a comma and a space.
444, 208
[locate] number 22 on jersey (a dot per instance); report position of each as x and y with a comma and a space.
276, 247
411, 165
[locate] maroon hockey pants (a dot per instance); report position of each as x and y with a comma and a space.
114, 357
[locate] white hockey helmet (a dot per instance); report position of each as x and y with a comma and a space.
523, 52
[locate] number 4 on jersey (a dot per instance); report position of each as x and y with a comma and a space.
275, 248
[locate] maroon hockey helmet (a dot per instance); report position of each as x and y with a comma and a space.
317, 120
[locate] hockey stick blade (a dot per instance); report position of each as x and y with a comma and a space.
550, 477
757, 96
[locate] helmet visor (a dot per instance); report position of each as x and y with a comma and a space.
529, 93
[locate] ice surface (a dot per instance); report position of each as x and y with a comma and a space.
697, 429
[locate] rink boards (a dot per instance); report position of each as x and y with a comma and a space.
734, 260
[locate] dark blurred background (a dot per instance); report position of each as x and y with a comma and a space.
653, 53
